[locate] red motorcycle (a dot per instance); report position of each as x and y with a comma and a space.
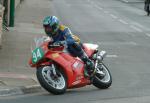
58, 70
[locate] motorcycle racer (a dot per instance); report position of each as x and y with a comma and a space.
63, 35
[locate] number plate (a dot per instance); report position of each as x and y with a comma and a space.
37, 54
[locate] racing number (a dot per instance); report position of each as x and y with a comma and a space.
37, 54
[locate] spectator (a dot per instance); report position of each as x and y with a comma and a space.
146, 7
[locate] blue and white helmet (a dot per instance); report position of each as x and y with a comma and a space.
51, 22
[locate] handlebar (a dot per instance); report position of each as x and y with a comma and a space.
54, 45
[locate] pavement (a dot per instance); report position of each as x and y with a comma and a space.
16, 76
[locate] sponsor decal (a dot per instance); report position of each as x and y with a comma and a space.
55, 55
79, 77
76, 82
77, 65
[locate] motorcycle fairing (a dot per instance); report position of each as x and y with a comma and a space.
72, 66
89, 48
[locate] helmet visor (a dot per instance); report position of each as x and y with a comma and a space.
48, 30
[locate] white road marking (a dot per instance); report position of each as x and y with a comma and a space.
100, 8
122, 21
125, 1
112, 56
118, 43
106, 12
137, 24
113, 16
148, 34
136, 28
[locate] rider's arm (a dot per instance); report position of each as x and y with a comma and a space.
68, 36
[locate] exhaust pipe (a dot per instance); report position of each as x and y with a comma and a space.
101, 55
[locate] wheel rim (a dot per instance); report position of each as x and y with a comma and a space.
107, 77
56, 82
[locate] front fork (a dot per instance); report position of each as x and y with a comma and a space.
98, 57
53, 69
54, 73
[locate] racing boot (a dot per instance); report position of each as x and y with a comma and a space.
89, 66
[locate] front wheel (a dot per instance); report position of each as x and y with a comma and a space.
55, 84
105, 81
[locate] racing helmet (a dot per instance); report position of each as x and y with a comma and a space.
51, 25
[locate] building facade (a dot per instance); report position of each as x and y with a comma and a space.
7, 14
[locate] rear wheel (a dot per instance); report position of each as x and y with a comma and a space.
103, 82
54, 83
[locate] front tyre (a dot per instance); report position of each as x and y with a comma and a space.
103, 82
55, 84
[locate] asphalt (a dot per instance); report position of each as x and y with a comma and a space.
16, 76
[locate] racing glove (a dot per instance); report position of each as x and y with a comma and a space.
60, 43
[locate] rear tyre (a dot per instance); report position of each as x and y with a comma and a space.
54, 84
103, 82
